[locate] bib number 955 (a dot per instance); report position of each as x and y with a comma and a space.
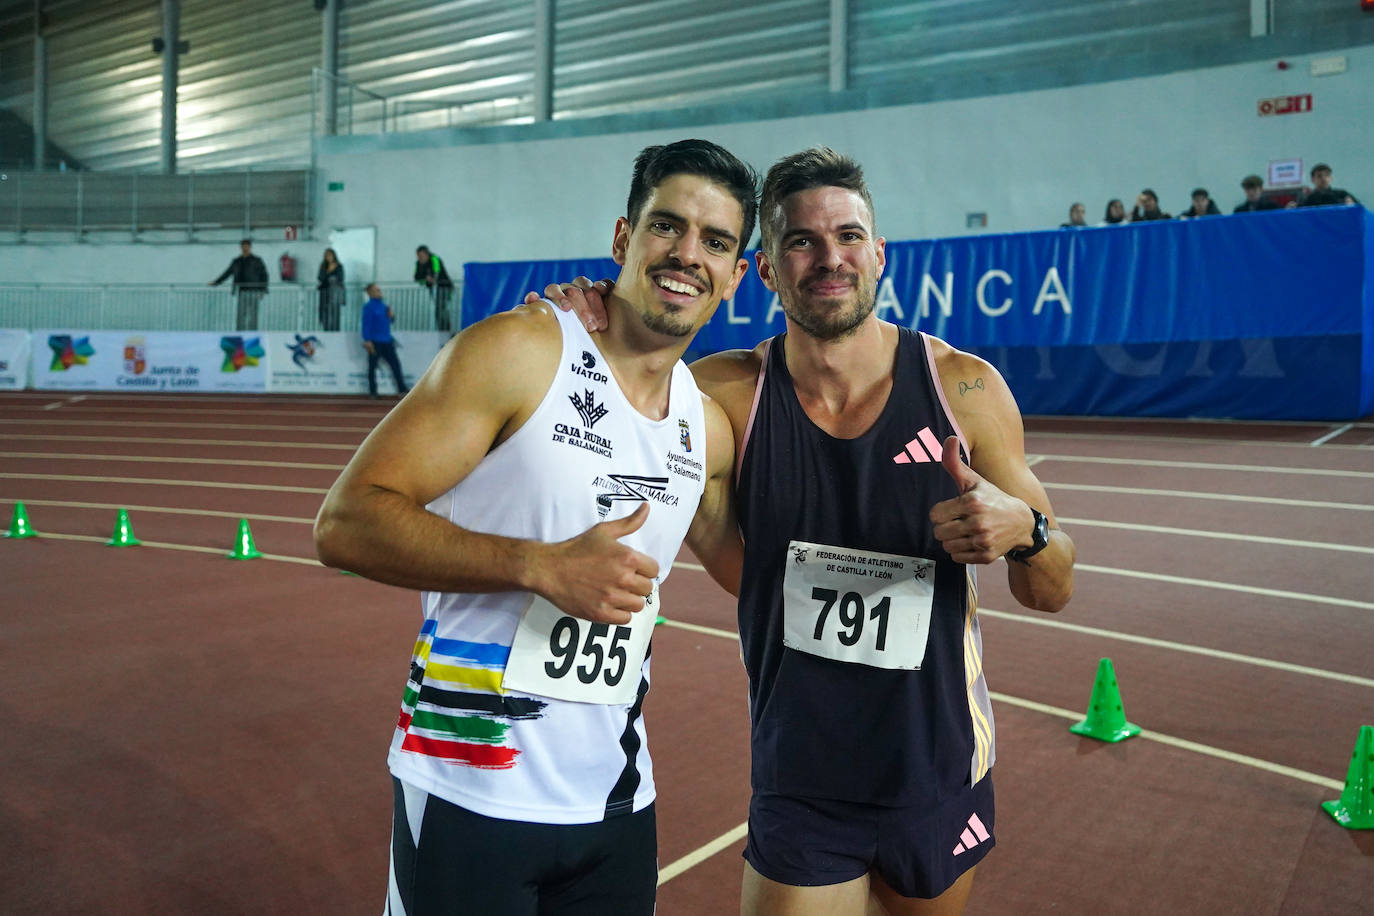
608, 662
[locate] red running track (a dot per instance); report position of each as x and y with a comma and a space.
185, 733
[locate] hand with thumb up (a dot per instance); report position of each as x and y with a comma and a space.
596, 577
982, 523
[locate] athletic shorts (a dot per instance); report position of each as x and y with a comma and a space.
919, 852
449, 860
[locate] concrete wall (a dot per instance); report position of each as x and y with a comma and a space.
1019, 158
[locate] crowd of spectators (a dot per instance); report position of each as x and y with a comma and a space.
1147, 208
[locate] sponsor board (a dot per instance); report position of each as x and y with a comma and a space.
334, 362
14, 359
73, 359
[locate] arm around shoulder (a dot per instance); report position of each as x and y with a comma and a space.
714, 534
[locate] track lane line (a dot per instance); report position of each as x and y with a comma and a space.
701, 854
154, 459
1216, 535
1338, 431
159, 510
231, 443
1100, 633
1190, 494
192, 548
159, 482
297, 429
1204, 466
1226, 586
1186, 440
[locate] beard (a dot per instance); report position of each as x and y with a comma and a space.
669, 322
821, 318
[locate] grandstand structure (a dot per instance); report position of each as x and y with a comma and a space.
283, 110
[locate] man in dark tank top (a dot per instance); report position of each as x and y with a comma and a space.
878, 467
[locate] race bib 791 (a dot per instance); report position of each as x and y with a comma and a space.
857, 606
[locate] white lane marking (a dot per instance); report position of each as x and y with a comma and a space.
160, 510
1181, 743
1206, 465
214, 484
1217, 535
1226, 586
153, 459
697, 856
1033, 460
144, 424
1224, 497
1198, 440
698, 628
694, 567
231, 443
1180, 647
161, 545
53, 406
1338, 431
169, 408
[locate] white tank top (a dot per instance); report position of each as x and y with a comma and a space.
584, 456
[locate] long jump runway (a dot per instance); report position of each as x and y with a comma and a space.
184, 733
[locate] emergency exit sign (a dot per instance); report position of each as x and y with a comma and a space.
336, 186
1285, 104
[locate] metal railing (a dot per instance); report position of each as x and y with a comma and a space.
362, 111
189, 307
81, 202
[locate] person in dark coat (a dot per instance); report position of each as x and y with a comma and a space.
331, 287
250, 285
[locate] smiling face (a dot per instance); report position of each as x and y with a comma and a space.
825, 261
680, 259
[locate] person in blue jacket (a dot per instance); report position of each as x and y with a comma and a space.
378, 342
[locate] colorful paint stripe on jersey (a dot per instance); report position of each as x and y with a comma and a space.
453, 708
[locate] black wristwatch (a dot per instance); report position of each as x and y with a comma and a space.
1040, 538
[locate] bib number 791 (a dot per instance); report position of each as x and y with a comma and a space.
850, 614
564, 642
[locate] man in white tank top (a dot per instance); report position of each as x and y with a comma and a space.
536, 485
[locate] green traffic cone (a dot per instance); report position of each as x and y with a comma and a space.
1106, 719
19, 524
244, 549
1355, 809
123, 532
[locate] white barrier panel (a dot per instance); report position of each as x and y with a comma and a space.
14, 359
148, 361
334, 362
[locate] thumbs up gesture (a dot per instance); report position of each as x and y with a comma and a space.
982, 523
597, 577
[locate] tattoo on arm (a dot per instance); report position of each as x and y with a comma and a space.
966, 387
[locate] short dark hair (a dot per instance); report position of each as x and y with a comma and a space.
1319, 167
1252, 181
420, 248
818, 167
245, 241
1202, 191
656, 164
1152, 195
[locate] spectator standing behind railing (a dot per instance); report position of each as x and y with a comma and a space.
1203, 205
1115, 214
378, 342
429, 270
331, 287
1076, 220
1322, 194
1253, 186
1147, 207
250, 285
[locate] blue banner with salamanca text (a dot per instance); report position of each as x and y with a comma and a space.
1266, 316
